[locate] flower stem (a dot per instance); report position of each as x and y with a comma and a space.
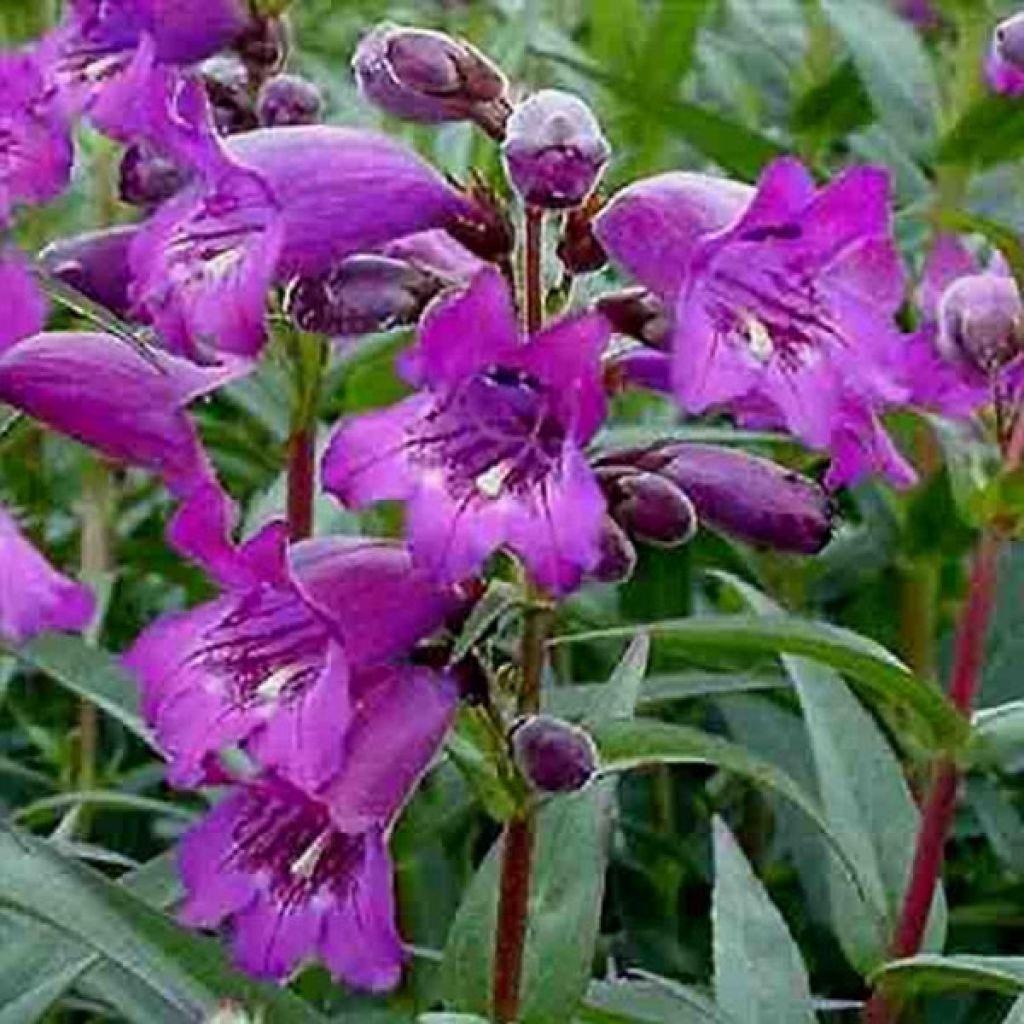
308, 356
533, 259
301, 475
940, 806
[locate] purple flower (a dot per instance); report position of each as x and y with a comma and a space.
1004, 66
286, 659
300, 200
24, 305
784, 299
489, 452
270, 859
36, 153
33, 596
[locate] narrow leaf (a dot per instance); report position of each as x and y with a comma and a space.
931, 973
644, 1002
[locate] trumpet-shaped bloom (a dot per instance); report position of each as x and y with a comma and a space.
784, 300
24, 305
489, 452
269, 859
281, 661
33, 596
36, 153
285, 202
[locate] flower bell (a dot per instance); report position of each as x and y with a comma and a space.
981, 320
420, 75
554, 756
649, 507
554, 150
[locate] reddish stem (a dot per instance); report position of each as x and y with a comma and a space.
940, 807
513, 917
533, 256
301, 482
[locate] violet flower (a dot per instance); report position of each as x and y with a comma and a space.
300, 200
34, 597
36, 153
287, 661
24, 305
1004, 65
489, 452
269, 859
784, 301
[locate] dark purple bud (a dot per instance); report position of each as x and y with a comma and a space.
554, 150
226, 80
578, 248
554, 756
361, 295
264, 47
419, 75
638, 314
96, 264
147, 179
1009, 40
289, 99
981, 321
618, 556
649, 507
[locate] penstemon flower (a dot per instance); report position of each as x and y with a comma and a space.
489, 452
783, 301
290, 658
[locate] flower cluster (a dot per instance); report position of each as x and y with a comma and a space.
773, 303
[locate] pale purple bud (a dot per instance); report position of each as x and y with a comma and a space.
361, 295
740, 494
147, 179
649, 507
420, 75
981, 321
1009, 40
289, 99
618, 556
554, 756
554, 150
226, 80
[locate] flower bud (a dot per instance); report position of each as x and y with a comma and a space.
579, 248
554, 150
97, 265
744, 495
147, 179
1009, 40
554, 756
618, 556
226, 80
649, 507
981, 321
265, 46
636, 313
420, 75
361, 295
288, 99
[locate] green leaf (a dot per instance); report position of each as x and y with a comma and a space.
645, 1002
450, 1018
89, 673
879, 675
834, 107
760, 977
1016, 1015
999, 736
893, 64
990, 131
186, 971
999, 819
931, 973
27, 997
498, 599
867, 802
567, 887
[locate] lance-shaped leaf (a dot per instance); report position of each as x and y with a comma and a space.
931, 973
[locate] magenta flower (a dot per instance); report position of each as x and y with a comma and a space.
287, 658
489, 452
270, 859
36, 153
784, 301
24, 305
301, 199
34, 597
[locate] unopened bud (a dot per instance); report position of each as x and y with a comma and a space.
741, 494
554, 756
649, 507
981, 321
420, 75
226, 80
287, 100
579, 248
147, 179
638, 314
361, 295
487, 231
265, 46
97, 265
1009, 40
554, 150
618, 556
